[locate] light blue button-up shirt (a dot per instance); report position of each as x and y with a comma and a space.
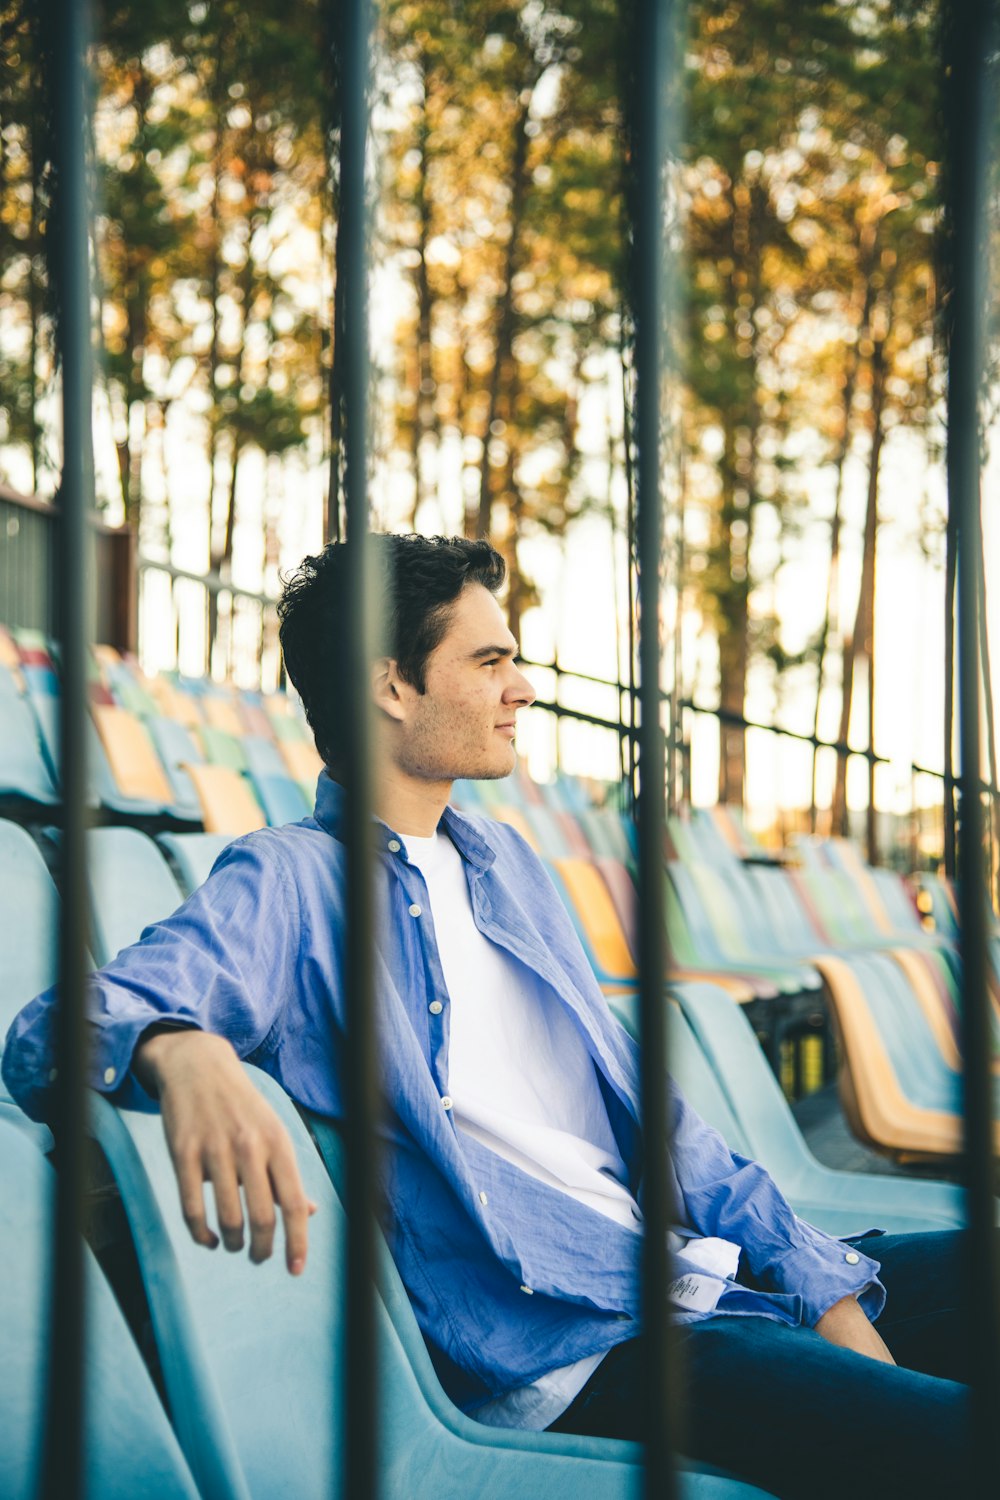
508, 1276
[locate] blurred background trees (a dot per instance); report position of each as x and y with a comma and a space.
806, 182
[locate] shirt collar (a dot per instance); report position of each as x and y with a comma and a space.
467, 838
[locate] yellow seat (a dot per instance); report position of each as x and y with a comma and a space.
134, 763
303, 760
597, 915
221, 714
174, 704
227, 803
106, 656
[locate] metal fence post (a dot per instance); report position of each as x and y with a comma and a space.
967, 40
69, 259
360, 1430
650, 68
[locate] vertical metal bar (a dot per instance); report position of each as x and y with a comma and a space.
650, 75
969, 129
62, 1475
360, 1431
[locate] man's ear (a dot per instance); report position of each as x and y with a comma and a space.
388, 688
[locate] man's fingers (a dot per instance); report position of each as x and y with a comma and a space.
260, 1207
221, 1172
192, 1190
296, 1208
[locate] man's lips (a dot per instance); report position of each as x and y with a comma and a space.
509, 728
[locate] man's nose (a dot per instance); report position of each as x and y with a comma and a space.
520, 690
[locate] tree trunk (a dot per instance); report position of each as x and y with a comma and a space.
950, 574
214, 277
424, 414
332, 528
833, 578
860, 639
504, 336
991, 741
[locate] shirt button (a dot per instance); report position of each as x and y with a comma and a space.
53, 1074
435, 1007
110, 1075
393, 846
446, 1101
852, 1257
483, 1199
415, 910
527, 1290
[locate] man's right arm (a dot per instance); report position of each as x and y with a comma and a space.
174, 1014
220, 1130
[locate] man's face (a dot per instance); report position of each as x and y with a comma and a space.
463, 723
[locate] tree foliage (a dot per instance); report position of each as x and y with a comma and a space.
807, 182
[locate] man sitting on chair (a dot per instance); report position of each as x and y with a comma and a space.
511, 1155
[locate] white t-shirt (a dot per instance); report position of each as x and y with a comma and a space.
524, 1085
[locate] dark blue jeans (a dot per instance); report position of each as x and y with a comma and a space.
806, 1420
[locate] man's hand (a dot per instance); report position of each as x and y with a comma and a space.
220, 1130
845, 1324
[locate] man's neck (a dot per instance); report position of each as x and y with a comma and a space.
409, 805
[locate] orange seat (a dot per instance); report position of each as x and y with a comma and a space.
106, 656
175, 704
303, 760
878, 1110
227, 803
597, 916
221, 714
134, 763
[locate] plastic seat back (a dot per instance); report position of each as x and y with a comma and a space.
29, 918
302, 759
129, 1449
130, 888
282, 799
133, 760
227, 803
263, 757
24, 771
192, 856
176, 748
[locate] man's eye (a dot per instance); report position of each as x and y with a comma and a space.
492, 661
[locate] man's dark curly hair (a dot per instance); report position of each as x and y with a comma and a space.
423, 578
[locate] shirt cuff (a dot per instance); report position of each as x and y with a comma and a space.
823, 1274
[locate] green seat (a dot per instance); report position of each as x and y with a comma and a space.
222, 749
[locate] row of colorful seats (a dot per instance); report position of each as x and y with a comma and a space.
788, 937
783, 932
162, 748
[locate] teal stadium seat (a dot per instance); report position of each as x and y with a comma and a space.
28, 947
130, 887
252, 1366
192, 856
25, 775
129, 1448
772, 1136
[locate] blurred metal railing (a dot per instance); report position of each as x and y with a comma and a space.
360, 1416
69, 250
651, 76
969, 37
